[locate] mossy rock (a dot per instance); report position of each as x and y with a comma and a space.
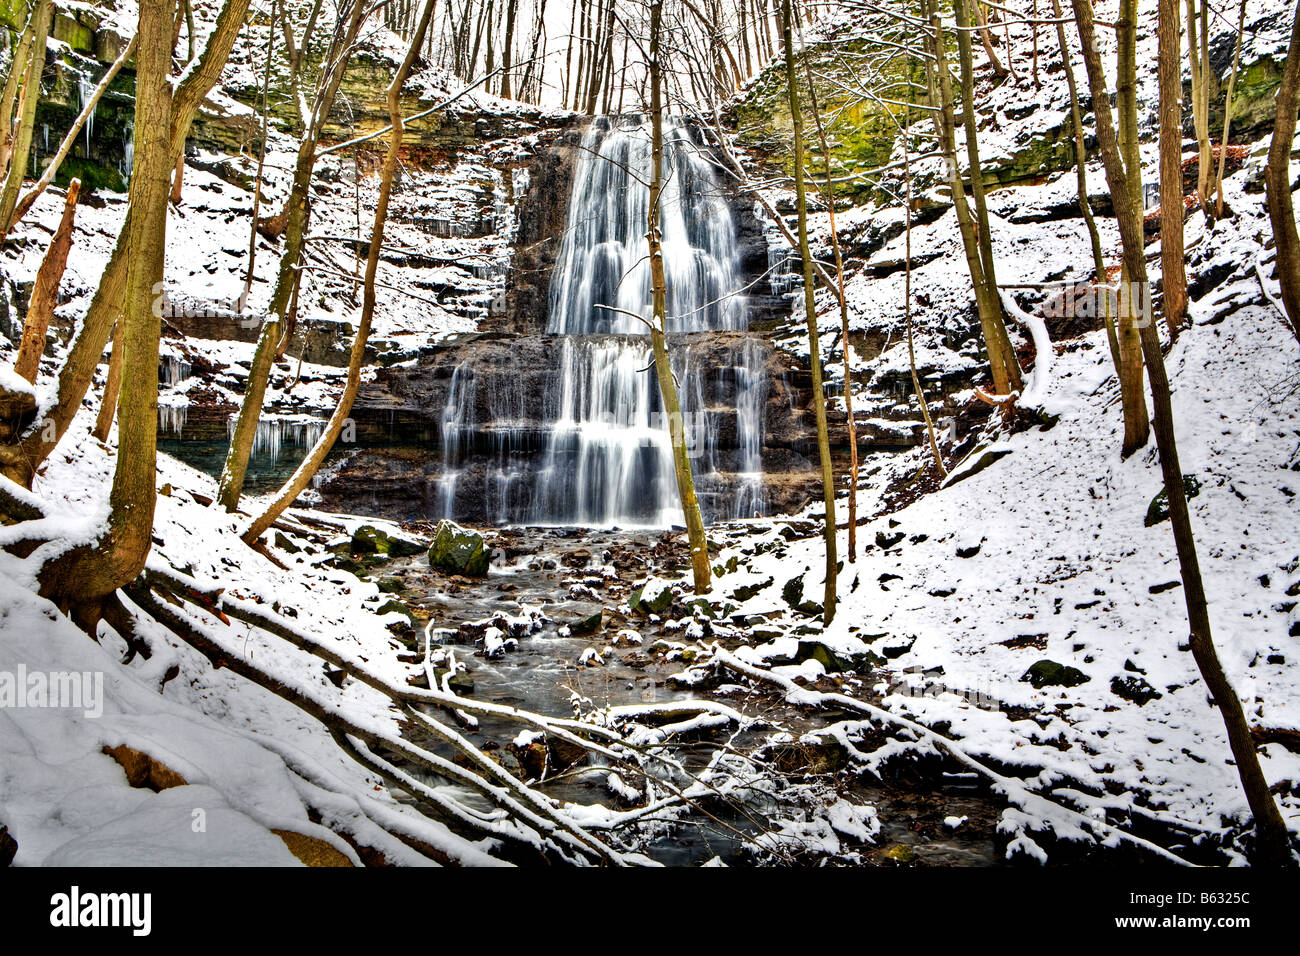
1158, 510
657, 601
792, 592
1133, 688
458, 550
589, 624
391, 585
368, 539
746, 591
284, 544
885, 540
394, 607
1047, 673
832, 662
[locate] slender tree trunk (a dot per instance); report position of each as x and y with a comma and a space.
810, 310
261, 157
20, 461
45, 291
26, 118
851, 424
281, 323
696, 538
907, 293
311, 464
1137, 425
1271, 839
1197, 53
1217, 187
1003, 366
1173, 269
13, 87
52, 168
80, 580
507, 47
1277, 180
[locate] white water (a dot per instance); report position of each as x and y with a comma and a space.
606, 457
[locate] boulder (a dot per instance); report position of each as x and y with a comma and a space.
368, 539
458, 550
1158, 510
1047, 673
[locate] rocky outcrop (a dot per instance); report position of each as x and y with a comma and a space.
506, 387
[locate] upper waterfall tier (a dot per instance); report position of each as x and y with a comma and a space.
603, 272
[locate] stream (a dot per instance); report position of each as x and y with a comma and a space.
569, 575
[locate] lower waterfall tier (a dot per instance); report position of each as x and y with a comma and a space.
569, 430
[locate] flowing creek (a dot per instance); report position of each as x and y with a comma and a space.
568, 575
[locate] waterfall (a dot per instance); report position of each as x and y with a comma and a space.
128, 150
604, 457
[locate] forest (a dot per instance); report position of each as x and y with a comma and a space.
644, 433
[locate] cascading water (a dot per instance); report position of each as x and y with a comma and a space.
604, 457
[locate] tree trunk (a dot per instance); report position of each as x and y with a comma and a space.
699, 544
52, 168
1277, 179
1173, 268
1217, 182
297, 215
1272, 843
25, 121
20, 461
844, 319
810, 310
81, 579
305, 471
45, 291
1003, 366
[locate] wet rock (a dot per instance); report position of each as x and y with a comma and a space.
1158, 510
458, 550
653, 597
368, 539
1133, 688
589, 624
900, 854
1046, 673
747, 591
885, 541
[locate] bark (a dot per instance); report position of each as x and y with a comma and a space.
907, 295
699, 544
1003, 367
1227, 110
1173, 268
1137, 425
305, 471
45, 291
17, 69
1271, 839
1081, 174
297, 215
81, 579
25, 121
52, 168
851, 425
19, 462
810, 310
1198, 55
1277, 179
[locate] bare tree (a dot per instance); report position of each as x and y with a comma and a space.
1277, 179
1272, 844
